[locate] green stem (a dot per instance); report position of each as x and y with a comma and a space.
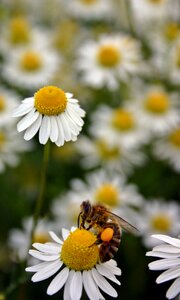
40, 199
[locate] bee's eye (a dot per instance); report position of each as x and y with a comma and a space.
87, 207
107, 234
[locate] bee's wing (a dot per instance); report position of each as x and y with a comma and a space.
124, 224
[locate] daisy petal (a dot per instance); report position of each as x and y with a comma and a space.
37, 267
33, 129
22, 110
67, 286
55, 238
43, 256
90, 286
76, 282
165, 238
103, 283
54, 129
65, 233
47, 248
47, 271
174, 289
167, 249
161, 254
44, 131
58, 282
103, 270
60, 140
65, 126
28, 120
163, 264
168, 275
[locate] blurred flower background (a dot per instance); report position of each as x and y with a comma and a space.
121, 60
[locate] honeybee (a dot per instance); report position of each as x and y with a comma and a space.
107, 226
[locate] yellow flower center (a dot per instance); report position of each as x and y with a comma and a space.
50, 100
123, 120
41, 238
2, 140
88, 2
172, 31
19, 31
108, 56
107, 194
157, 102
174, 138
161, 223
106, 152
2, 103
31, 61
79, 251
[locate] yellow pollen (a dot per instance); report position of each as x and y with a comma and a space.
50, 100
157, 102
174, 138
161, 223
88, 2
79, 251
41, 238
2, 104
172, 31
31, 61
19, 31
107, 234
123, 120
106, 152
107, 194
108, 56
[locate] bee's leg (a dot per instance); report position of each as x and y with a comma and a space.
97, 242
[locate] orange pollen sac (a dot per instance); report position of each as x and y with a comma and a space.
107, 234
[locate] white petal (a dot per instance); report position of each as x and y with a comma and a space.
115, 270
47, 271
58, 282
67, 286
174, 289
44, 131
54, 129
22, 110
90, 286
47, 248
43, 256
55, 237
173, 241
33, 129
103, 270
161, 254
163, 264
69, 95
77, 119
103, 283
167, 249
65, 126
37, 267
76, 286
168, 275
28, 120
65, 233
60, 140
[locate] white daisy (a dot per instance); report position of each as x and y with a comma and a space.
157, 216
30, 68
149, 11
156, 109
168, 148
11, 145
18, 33
109, 189
98, 152
90, 9
169, 254
8, 101
80, 266
118, 125
111, 59
18, 240
54, 113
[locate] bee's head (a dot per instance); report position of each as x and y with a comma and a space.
85, 208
